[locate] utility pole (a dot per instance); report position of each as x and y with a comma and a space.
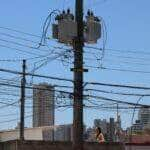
78, 79
117, 112
22, 100
77, 37
117, 123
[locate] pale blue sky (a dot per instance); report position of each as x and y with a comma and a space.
127, 24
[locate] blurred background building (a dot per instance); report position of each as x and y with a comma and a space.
43, 105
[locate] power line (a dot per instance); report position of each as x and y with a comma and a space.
11, 114
8, 100
8, 104
29, 87
69, 80
12, 120
23, 51
48, 59
96, 48
20, 44
119, 93
29, 58
119, 50
21, 32
19, 38
119, 85
130, 57
126, 70
28, 40
16, 119
70, 93
35, 75
129, 51
102, 107
13, 81
19, 60
125, 62
117, 101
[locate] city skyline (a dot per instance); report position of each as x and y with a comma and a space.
123, 31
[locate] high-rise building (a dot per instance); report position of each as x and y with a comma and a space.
137, 127
90, 135
43, 105
118, 128
102, 124
63, 133
144, 116
111, 129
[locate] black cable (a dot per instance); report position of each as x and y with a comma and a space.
69, 80
129, 51
11, 114
126, 70
35, 75
19, 38
23, 45
119, 85
117, 101
125, 62
118, 93
70, 93
129, 57
23, 51
45, 27
48, 59
20, 59
8, 104
18, 31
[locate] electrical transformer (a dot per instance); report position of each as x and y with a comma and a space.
92, 28
65, 30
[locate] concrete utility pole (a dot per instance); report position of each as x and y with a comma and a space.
22, 100
78, 79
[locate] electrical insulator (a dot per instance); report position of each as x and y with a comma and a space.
88, 13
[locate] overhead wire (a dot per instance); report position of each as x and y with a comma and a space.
9, 104
126, 70
69, 80
118, 93
89, 96
125, 62
17, 37
18, 31
119, 85
19, 50
46, 26
35, 75
129, 57
23, 45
